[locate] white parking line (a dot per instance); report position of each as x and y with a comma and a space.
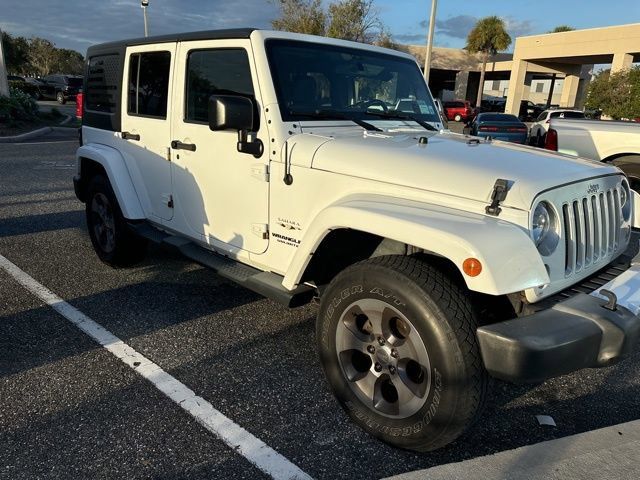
236, 437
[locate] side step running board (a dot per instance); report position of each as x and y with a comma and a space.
267, 284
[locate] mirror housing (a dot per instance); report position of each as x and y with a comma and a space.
235, 112
231, 112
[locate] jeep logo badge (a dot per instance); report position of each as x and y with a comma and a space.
593, 188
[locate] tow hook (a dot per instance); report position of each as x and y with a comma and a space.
612, 299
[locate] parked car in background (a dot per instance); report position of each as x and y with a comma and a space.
494, 105
529, 110
499, 126
21, 83
61, 87
459, 110
603, 140
539, 129
37, 86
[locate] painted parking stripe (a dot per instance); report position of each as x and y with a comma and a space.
236, 437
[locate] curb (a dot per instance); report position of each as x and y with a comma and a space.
608, 452
38, 133
26, 136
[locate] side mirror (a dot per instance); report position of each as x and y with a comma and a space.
234, 112
231, 112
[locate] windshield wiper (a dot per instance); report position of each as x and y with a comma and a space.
334, 115
395, 115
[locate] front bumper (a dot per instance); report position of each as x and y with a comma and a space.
576, 333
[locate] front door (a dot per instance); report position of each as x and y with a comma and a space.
221, 194
146, 125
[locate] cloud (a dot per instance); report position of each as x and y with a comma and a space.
456, 27
517, 28
83, 23
410, 38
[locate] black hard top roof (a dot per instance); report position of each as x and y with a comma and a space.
176, 37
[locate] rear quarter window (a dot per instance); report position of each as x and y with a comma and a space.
101, 91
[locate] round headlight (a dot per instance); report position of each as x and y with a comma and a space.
541, 223
625, 204
544, 228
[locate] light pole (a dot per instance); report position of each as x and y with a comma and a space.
144, 4
432, 26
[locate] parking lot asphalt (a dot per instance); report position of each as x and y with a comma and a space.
69, 409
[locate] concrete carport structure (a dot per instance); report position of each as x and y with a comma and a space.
566, 53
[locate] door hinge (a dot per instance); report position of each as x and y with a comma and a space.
260, 171
260, 230
168, 200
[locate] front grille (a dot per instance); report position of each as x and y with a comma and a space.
592, 229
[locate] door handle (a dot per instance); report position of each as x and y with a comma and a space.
176, 145
130, 136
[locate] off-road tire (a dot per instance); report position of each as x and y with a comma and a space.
441, 313
127, 248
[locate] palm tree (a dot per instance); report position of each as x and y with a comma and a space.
562, 28
488, 37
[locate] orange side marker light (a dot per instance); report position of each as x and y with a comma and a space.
472, 267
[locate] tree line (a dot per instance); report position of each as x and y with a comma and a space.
38, 57
355, 20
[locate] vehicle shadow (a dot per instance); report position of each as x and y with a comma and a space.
29, 224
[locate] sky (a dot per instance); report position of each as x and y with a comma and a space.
76, 24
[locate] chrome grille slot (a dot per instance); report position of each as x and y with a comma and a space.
597, 231
592, 229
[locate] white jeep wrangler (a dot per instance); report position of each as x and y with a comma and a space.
301, 166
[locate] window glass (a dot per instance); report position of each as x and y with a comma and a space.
149, 84
215, 71
497, 117
341, 82
542, 116
102, 83
567, 115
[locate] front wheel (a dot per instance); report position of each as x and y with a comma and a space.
458, 118
397, 342
113, 241
60, 98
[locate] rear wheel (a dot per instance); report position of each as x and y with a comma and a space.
397, 342
113, 241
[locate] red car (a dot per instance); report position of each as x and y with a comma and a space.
459, 110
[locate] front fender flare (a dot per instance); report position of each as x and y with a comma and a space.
114, 164
510, 260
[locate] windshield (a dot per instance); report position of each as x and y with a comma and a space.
346, 83
74, 81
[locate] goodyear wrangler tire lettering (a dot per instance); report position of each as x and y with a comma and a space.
398, 323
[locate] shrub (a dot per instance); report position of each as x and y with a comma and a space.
18, 106
25, 87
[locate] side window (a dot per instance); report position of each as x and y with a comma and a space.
211, 71
149, 84
102, 83
541, 117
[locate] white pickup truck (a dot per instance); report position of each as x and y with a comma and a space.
301, 166
612, 142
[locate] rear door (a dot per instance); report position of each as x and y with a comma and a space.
221, 194
146, 124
